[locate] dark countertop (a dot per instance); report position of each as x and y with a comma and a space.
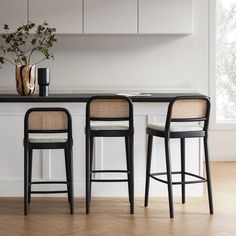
83, 97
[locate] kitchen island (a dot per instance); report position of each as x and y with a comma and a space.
148, 108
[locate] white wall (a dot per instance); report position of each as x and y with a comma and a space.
152, 62
222, 145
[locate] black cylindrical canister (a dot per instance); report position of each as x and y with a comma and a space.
43, 81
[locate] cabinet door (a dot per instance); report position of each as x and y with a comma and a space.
110, 16
13, 13
165, 16
65, 16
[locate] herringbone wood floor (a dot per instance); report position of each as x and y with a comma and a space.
111, 216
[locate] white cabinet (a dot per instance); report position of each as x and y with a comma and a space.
110, 16
165, 16
65, 16
102, 16
13, 13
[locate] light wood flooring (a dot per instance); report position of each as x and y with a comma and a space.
50, 217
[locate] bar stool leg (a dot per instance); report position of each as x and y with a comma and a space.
91, 165
88, 180
148, 168
70, 177
131, 162
30, 173
169, 177
67, 173
208, 174
127, 163
183, 168
26, 176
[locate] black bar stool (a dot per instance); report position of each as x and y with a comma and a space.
40, 128
181, 109
107, 109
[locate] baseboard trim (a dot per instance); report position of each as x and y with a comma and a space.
223, 158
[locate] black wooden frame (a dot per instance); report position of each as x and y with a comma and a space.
28, 158
167, 135
90, 136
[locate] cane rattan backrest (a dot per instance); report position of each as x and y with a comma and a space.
189, 108
109, 108
48, 120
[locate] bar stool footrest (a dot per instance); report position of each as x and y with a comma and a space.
109, 180
48, 192
201, 179
110, 171
48, 182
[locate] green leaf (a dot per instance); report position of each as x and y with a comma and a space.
6, 27
17, 61
2, 60
24, 59
33, 41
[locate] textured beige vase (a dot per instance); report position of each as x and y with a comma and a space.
25, 79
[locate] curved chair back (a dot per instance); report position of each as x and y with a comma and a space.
109, 108
188, 109
48, 120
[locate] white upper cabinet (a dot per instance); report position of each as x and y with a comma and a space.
64, 15
110, 16
102, 16
165, 16
13, 13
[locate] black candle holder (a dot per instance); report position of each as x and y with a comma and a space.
43, 81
